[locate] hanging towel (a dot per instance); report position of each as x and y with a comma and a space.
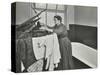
47, 47
39, 47
54, 57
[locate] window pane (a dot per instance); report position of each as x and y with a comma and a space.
50, 19
42, 20
51, 6
40, 5
60, 7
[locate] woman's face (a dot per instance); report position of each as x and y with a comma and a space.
56, 21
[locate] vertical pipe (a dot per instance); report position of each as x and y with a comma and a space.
66, 17
56, 9
46, 14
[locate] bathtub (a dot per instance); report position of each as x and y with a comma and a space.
85, 54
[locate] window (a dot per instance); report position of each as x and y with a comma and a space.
43, 19
51, 12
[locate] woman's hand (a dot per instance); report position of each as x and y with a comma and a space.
46, 28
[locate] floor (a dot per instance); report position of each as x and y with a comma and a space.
79, 65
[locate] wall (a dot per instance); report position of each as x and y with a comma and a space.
82, 15
23, 12
85, 15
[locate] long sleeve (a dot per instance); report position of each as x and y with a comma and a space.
60, 31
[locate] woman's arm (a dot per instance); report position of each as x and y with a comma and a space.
47, 28
59, 30
50, 27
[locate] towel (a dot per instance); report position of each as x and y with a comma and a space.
54, 57
39, 47
47, 47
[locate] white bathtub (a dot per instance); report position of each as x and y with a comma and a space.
85, 54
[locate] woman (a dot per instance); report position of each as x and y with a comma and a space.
65, 44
